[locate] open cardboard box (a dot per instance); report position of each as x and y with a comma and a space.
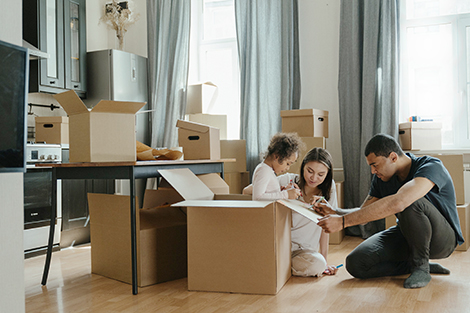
239, 246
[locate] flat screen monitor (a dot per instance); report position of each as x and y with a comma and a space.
14, 79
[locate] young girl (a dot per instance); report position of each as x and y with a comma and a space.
282, 152
309, 242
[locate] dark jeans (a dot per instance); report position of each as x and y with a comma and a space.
422, 233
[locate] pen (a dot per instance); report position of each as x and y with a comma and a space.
339, 266
318, 201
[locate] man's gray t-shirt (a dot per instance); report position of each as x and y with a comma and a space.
442, 195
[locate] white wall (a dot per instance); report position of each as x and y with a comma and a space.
11, 195
319, 59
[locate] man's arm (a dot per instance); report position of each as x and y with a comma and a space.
374, 209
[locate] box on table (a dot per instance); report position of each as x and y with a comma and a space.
234, 245
337, 237
52, 129
215, 120
305, 122
464, 217
201, 97
237, 181
234, 149
161, 237
198, 141
420, 135
310, 142
104, 134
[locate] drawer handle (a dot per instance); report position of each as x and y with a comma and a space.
75, 86
52, 82
193, 137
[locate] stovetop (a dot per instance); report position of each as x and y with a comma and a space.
43, 153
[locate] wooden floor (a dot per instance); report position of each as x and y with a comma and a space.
72, 288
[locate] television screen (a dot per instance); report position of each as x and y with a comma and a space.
14, 74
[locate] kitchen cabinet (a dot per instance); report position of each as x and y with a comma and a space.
57, 27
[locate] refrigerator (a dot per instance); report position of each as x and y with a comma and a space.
120, 76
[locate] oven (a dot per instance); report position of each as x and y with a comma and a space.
38, 201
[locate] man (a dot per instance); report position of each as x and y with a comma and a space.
420, 192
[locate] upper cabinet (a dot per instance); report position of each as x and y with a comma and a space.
57, 27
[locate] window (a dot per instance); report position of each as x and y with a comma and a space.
214, 57
435, 66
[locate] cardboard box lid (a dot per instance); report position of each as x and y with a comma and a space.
51, 119
188, 185
420, 125
197, 127
215, 183
303, 112
72, 104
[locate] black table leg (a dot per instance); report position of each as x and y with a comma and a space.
51, 229
133, 231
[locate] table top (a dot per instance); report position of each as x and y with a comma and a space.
137, 163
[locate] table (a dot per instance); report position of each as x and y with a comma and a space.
120, 170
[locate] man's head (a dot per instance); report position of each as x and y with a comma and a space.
382, 153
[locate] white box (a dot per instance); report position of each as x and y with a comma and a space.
420, 136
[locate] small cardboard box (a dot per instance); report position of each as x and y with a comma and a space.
104, 134
234, 149
215, 120
310, 142
337, 238
464, 217
52, 129
161, 238
201, 97
305, 122
237, 181
420, 136
198, 141
235, 246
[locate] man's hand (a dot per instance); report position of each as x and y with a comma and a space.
322, 207
331, 223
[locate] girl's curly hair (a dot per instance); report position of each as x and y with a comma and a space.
283, 145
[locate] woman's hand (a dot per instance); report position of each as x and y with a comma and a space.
330, 270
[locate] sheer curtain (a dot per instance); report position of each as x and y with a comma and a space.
368, 90
267, 35
168, 57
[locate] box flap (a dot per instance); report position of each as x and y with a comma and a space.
197, 127
160, 197
247, 204
109, 106
187, 184
215, 183
301, 208
71, 102
303, 112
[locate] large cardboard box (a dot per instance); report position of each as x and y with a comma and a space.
305, 122
201, 97
337, 238
104, 134
198, 141
310, 142
161, 238
464, 217
235, 246
420, 135
237, 181
215, 120
234, 149
52, 129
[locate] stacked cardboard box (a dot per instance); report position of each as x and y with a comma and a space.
235, 173
420, 136
199, 141
52, 129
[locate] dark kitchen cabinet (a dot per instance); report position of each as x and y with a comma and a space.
57, 27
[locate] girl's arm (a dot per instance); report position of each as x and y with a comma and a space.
266, 186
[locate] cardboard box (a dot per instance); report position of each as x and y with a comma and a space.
198, 141
234, 149
235, 246
215, 183
337, 238
161, 238
237, 181
390, 221
464, 217
52, 129
215, 120
420, 135
310, 142
201, 98
305, 122
104, 134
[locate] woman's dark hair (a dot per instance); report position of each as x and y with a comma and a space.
283, 145
324, 157
383, 145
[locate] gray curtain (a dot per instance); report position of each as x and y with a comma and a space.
269, 69
368, 90
168, 57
